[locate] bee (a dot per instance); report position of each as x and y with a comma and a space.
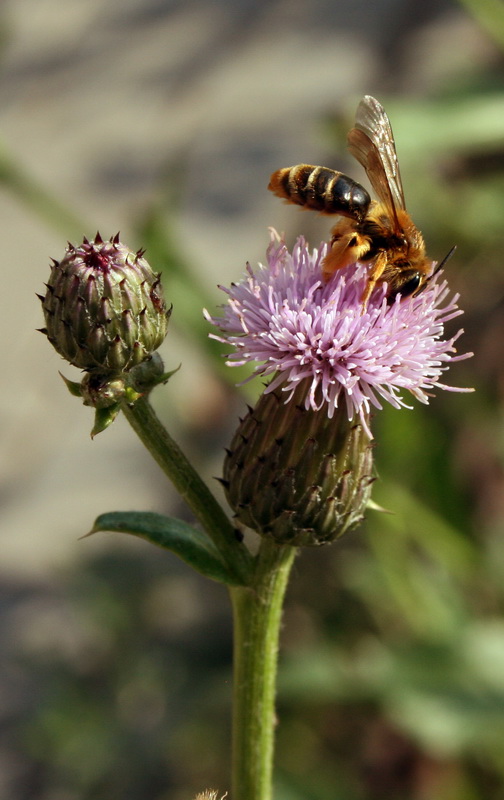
380, 231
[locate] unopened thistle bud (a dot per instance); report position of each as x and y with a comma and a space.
295, 475
104, 308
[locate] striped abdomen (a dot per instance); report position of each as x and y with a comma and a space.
321, 189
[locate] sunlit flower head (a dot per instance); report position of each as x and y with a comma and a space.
295, 327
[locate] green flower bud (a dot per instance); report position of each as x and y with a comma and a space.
104, 308
98, 392
294, 474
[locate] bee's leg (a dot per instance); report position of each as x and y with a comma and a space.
347, 248
379, 264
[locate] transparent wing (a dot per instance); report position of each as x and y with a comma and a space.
371, 142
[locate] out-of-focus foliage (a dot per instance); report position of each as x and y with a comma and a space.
110, 682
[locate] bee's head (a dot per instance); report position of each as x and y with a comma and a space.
412, 280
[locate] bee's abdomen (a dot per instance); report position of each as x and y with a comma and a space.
321, 189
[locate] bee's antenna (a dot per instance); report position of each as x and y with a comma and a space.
436, 270
443, 262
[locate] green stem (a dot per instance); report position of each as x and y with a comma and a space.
257, 617
257, 610
38, 199
188, 483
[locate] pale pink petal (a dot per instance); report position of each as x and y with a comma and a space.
283, 318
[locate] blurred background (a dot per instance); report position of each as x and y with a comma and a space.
164, 120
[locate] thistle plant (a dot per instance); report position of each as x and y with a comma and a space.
103, 308
105, 313
299, 469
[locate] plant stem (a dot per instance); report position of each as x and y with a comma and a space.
257, 616
38, 199
190, 486
257, 608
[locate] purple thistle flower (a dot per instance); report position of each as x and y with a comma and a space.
298, 328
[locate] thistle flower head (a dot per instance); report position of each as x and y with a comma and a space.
295, 327
104, 309
300, 471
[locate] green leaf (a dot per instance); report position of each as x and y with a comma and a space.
104, 417
73, 387
191, 545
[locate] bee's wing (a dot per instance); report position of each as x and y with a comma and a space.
372, 144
